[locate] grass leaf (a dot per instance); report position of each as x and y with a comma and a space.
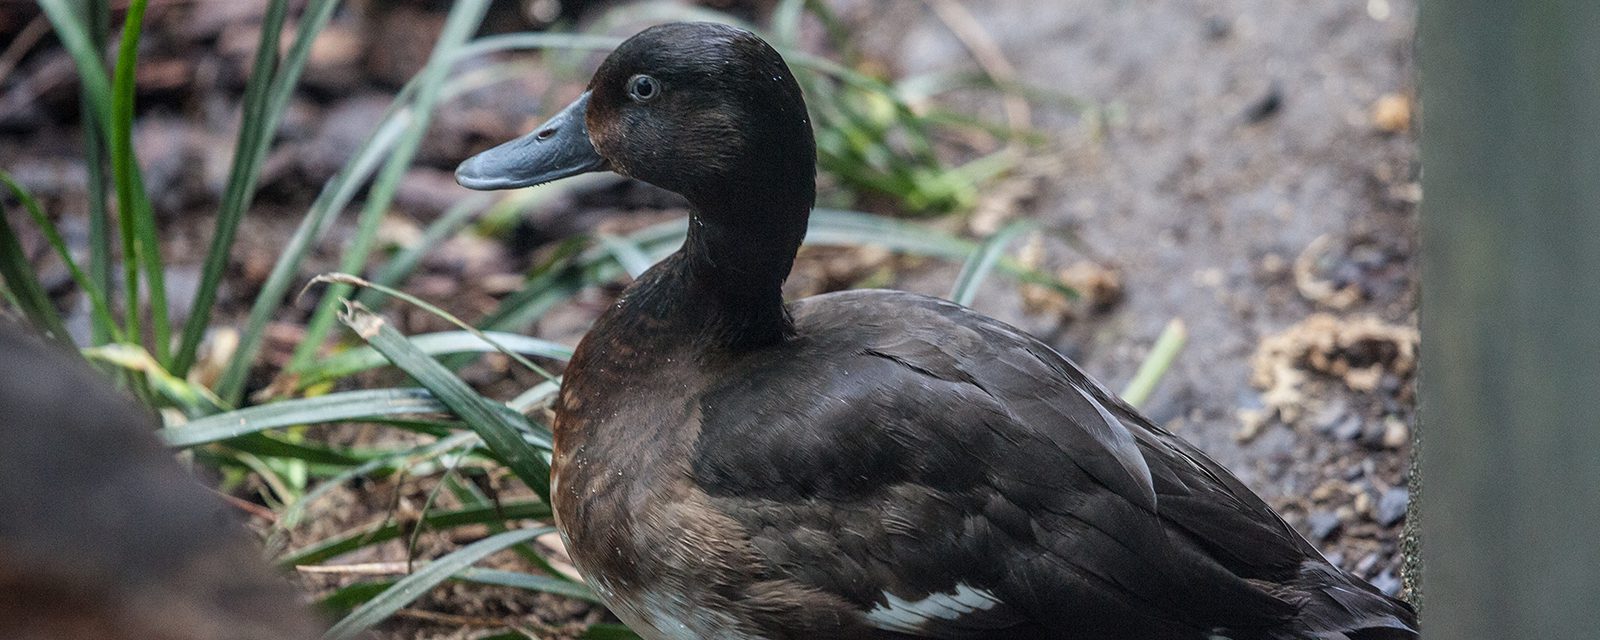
334, 407
380, 532
140, 246
628, 254
609, 631
335, 194
504, 431
26, 291
400, 266
462, 21
981, 263
408, 589
291, 516
529, 582
360, 359
1155, 365
191, 398
255, 129
100, 310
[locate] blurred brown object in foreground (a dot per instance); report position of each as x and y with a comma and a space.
102, 534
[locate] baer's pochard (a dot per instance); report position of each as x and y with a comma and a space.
864, 464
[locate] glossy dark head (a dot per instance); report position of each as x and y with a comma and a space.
707, 110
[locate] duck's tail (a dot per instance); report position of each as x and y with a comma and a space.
1335, 606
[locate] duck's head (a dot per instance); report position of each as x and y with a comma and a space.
706, 110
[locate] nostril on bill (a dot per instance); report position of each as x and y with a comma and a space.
546, 134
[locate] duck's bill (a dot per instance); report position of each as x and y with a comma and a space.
558, 149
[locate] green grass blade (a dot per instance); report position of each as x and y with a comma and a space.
189, 397
982, 262
100, 310
261, 444
414, 586
312, 22
608, 631
342, 600
25, 288
403, 263
140, 247
538, 395
501, 428
831, 227
1155, 365
528, 582
542, 40
94, 147
339, 191
627, 253
786, 22
363, 358
76, 35
462, 21
120, 147
255, 129
345, 278
290, 518
470, 495
385, 531
334, 196
334, 407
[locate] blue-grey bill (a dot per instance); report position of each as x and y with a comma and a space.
560, 148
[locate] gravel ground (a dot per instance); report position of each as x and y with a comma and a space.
1250, 164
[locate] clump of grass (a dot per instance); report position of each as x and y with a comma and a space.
871, 140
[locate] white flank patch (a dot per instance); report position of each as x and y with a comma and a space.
899, 614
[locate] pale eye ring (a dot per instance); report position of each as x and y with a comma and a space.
643, 88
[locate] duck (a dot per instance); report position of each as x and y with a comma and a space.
867, 464
104, 535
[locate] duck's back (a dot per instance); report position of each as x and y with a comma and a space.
951, 477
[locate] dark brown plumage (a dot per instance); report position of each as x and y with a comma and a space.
102, 535
867, 464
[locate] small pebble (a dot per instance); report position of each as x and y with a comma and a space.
1367, 564
1349, 429
1392, 506
1218, 27
1392, 113
1322, 524
1395, 432
1363, 503
1268, 105
1387, 583
1330, 416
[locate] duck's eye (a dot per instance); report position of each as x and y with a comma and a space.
643, 88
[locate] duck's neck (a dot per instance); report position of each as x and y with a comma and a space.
724, 288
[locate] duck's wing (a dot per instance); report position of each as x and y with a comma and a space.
951, 476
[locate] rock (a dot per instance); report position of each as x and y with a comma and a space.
1387, 583
1396, 433
1363, 502
1330, 416
1392, 113
1392, 506
1266, 106
1251, 422
1322, 524
1348, 429
1366, 565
